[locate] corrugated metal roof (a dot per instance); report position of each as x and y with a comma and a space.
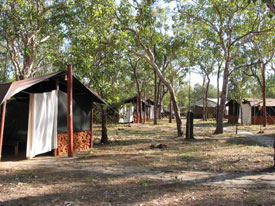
9, 89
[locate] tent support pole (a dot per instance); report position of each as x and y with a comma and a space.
3, 114
92, 126
70, 111
55, 150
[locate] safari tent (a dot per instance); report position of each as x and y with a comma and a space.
197, 108
35, 113
252, 111
128, 111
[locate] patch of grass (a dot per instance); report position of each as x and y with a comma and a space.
110, 179
242, 141
27, 172
253, 198
145, 181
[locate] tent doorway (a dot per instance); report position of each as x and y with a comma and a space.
16, 125
30, 126
42, 123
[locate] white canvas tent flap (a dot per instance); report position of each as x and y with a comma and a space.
42, 126
126, 113
151, 112
246, 112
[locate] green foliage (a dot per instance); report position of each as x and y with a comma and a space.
270, 86
243, 86
30, 32
195, 94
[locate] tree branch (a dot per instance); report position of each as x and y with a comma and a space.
146, 49
271, 6
51, 7
252, 33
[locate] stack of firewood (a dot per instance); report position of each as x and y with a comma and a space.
82, 141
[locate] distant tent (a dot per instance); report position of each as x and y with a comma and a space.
197, 108
127, 110
150, 109
36, 111
126, 113
252, 111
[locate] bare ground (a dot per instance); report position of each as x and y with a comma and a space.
225, 169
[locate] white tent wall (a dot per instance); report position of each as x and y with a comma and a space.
126, 113
246, 111
151, 115
42, 126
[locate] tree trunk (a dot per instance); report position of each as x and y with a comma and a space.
159, 100
145, 108
167, 84
140, 107
160, 103
171, 111
173, 97
171, 104
190, 126
206, 97
27, 66
137, 109
241, 111
218, 93
138, 101
174, 101
264, 96
203, 100
162, 94
156, 102
219, 124
104, 134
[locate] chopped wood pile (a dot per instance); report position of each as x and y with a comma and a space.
82, 141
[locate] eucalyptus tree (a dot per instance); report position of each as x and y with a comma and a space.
134, 64
4, 65
137, 22
168, 57
239, 88
270, 86
205, 63
93, 51
264, 48
269, 3
30, 32
234, 23
142, 78
203, 55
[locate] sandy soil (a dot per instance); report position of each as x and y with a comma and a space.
225, 169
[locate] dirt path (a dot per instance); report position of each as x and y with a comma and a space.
209, 171
257, 179
262, 140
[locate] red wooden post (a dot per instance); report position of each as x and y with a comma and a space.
92, 126
2, 127
70, 111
